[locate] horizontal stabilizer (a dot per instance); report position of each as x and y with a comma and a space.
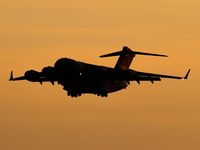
111, 54
149, 54
127, 51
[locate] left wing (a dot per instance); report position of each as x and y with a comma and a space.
32, 76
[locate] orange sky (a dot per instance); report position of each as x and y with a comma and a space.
166, 115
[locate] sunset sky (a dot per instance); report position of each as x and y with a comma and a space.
163, 116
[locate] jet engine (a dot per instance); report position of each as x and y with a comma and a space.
48, 71
32, 75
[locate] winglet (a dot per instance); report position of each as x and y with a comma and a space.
186, 76
11, 76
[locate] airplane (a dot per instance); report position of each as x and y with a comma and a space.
79, 78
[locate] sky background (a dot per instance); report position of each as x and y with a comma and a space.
166, 115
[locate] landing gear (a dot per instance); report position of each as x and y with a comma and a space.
77, 93
73, 94
102, 94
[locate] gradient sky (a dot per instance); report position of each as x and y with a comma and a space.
166, 115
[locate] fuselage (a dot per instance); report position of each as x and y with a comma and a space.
78, 77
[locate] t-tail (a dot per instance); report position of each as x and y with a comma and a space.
126, 57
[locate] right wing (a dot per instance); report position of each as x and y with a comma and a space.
131, 75
141, 75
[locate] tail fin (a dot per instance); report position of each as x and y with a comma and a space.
125, 59
126, 56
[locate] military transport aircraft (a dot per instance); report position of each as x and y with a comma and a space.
78, 77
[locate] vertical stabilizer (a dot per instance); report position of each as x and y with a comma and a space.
125, 59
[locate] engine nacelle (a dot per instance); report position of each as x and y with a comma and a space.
32, 75
48, 71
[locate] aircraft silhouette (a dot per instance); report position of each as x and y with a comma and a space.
78, 77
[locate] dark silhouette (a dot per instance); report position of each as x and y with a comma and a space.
78, 77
